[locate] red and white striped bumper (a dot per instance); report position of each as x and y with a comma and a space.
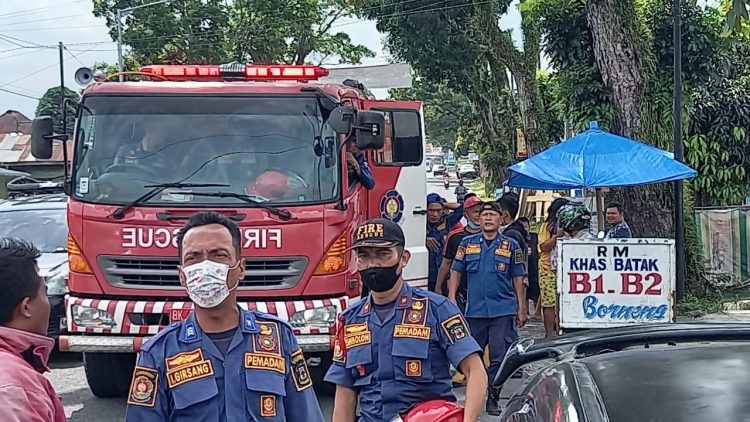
122, 334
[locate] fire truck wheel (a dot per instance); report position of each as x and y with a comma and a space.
318, 372
109, 374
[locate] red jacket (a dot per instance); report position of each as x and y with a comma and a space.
25, 394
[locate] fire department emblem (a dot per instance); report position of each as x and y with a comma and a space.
392, 206
267, 344
267, 406
414, 316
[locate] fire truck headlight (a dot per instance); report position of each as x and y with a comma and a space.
317, 317
86, 316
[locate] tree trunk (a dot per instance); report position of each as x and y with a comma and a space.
528, 95
619, 56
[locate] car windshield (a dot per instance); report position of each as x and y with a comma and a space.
278, 149
47, 229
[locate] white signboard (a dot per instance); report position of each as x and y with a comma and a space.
384, 76
615, 282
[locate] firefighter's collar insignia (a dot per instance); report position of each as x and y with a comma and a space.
249, 324
190, 331
366, 306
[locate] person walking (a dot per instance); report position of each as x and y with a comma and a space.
394, 348
496, 298
222, 363
438, 226
547, 237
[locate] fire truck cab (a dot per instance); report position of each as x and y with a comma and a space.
264, 145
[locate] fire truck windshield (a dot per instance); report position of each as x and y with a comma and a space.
277, 149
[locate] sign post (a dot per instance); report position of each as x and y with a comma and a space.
615, 282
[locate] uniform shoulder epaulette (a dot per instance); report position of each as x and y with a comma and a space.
148, 344
354, 306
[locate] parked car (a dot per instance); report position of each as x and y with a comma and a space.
42, 221
438, 169
467, 171
666, 372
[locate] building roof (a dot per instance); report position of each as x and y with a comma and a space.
16, 148
13, 121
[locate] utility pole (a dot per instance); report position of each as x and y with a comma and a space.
679, 218
119, 43
119, 14
61, 48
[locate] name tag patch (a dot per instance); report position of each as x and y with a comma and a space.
413, 368
300, 372
270, 362
455, 328
267, 406
411, 331
143, 388
473, 248
190, 372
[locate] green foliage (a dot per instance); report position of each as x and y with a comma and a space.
216, 31
445, 111
49, 105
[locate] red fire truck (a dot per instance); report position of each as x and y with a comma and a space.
264, 145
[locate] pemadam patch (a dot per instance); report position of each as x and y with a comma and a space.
455, 328
300, 372
143, 387
267, 406
392, 206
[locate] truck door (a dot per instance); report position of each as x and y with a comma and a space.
401, 181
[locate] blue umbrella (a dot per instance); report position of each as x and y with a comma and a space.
597, 159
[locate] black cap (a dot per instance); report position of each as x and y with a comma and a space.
378, 233
491, 206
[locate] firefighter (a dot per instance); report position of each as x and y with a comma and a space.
394, 348
222, 363
496, 296
438, 226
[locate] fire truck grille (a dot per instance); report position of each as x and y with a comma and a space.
161, 273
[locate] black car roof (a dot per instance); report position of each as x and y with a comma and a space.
685, 383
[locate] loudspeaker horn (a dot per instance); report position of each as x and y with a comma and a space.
84, 76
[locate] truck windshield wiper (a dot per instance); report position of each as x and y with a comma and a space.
156, 189
250, 199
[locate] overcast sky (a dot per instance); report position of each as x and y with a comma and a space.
31, 29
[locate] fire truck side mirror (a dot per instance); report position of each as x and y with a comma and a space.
370, 133
341, 119
42, 133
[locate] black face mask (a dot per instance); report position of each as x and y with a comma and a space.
380, 279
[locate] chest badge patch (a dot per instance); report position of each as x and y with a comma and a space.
356, 335
267, 406
267, 340
503, 252
300, 372
455, 328
184, 358
417, 314
144, 387
413, 368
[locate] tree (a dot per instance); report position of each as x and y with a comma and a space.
49, 105
216, 31
445, 110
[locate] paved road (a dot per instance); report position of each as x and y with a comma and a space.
69, 379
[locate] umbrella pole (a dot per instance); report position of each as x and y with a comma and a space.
599, 206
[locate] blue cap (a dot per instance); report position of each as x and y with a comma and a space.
433, 197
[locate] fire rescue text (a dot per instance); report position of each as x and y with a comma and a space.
162, 237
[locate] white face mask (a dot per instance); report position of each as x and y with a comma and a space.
206, 283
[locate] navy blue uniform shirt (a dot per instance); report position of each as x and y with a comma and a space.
403, 359
490, 269
182, 376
